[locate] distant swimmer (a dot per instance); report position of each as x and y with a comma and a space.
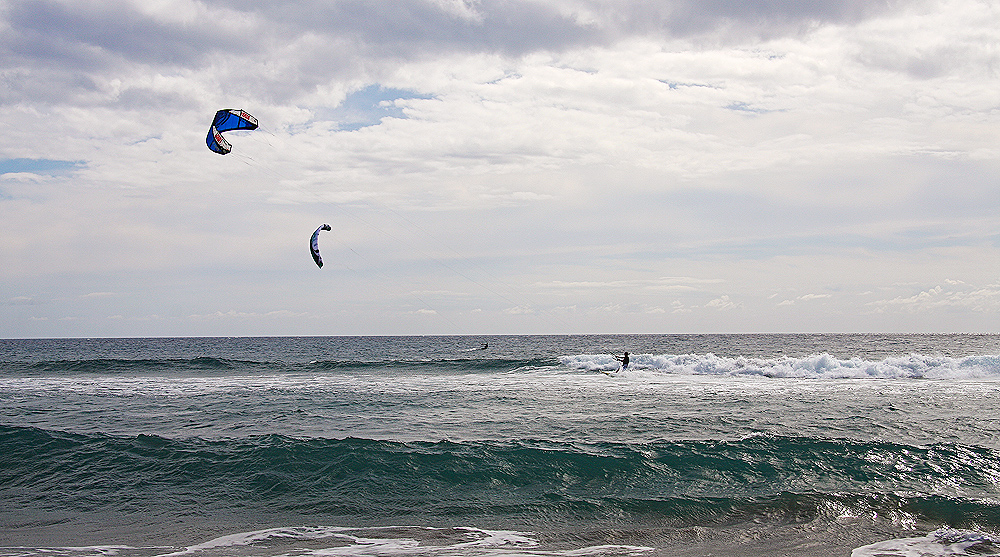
623, 360
485, 346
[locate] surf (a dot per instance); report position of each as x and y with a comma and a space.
816, 366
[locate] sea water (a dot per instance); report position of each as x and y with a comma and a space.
813, 445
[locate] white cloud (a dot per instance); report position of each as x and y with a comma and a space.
658, 159
22, 177
980, 300
234, 314
722, 303
803, 298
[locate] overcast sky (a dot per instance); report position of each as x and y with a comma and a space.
500, 167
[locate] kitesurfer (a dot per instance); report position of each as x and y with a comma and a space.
623, 360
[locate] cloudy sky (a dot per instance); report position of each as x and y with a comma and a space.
500, 166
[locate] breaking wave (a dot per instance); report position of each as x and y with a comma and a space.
818, 366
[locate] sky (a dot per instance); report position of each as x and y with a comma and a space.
499, 167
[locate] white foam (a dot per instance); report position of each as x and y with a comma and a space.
817, 366
399, 541
940, 543
69, 551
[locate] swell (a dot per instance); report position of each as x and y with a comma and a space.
209, 364
437, 366
126, 366
682, 483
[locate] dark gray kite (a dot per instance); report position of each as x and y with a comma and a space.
314, 245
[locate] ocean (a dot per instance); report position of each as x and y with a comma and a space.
868, 445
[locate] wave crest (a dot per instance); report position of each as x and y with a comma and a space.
816, 366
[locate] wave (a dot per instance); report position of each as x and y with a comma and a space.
209, 365
943, 542
323, 541
459, 541
817, 366
127, 366
683, 483
406, 540
444, 365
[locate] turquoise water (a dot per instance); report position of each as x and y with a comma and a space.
708, 444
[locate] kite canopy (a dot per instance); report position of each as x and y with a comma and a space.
225, 120
314, 245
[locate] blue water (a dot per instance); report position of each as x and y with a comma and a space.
708, 444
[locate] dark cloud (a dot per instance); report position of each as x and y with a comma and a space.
54, 30
777, 12
357, 39
729, 20
59, 52
49, 30
410, 28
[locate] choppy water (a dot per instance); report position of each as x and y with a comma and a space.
880, 445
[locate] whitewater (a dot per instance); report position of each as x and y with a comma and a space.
865, 445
